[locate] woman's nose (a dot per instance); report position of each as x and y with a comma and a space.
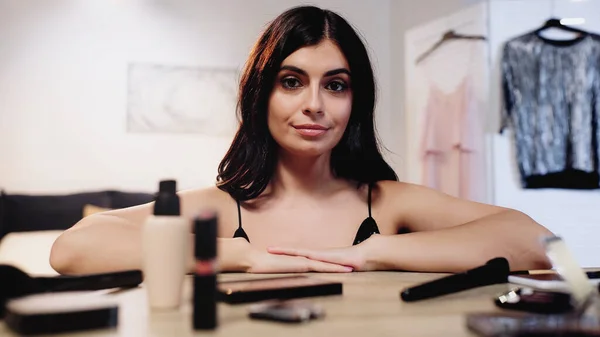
314, 101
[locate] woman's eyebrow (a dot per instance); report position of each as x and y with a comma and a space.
294, 69
329, 73
338, 71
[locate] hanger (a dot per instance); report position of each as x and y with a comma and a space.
448, 36
555, 23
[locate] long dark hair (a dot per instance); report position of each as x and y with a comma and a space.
249, 164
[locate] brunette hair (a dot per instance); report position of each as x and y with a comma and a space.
249, 164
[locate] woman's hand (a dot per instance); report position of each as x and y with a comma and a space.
265, 262
359, 257
239, 255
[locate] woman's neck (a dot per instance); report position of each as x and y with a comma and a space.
305, 175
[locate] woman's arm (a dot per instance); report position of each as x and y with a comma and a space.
452, 234
111, 241
447, 234
508, 234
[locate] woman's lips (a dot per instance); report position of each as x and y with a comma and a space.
310, 130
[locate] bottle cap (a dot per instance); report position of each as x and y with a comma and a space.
168, 186
205, 230
167, 200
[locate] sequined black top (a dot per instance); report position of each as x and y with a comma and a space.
367, 228
552, 101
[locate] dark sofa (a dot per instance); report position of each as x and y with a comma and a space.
23, 213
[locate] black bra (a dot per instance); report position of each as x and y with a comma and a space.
367, 228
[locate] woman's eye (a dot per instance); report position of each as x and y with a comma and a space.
290, 83
337, 86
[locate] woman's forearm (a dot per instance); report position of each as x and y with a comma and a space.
234, 255
106, 243
508, 234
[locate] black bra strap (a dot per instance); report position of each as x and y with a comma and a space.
239, 214
240, 233
369, 200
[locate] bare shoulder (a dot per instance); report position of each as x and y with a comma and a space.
392, 186
420, 208
194, 201
420, 196
206, 193
392, 190
394, 198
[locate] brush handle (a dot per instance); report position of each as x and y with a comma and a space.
122, 279
493, 272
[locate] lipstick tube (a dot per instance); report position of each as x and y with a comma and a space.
205, 272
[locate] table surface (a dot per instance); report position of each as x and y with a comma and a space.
370, 305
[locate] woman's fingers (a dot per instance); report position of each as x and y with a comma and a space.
272, 263
300, 264
325, 267
293, 252
334, 256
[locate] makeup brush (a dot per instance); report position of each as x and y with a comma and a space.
16, 283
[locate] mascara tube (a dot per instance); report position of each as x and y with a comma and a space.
205, 273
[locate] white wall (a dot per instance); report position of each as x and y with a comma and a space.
63, 85
572, 214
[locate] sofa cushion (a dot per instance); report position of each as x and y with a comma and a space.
93, 209
23, 213
127, 199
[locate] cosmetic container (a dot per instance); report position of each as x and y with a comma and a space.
165, 249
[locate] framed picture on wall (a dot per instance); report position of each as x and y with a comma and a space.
181, 99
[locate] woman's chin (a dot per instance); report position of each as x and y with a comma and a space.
309, 151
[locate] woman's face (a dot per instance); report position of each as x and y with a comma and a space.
311, 100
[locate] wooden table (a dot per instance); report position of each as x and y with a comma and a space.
370, 306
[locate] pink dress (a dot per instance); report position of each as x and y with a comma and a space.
453, 143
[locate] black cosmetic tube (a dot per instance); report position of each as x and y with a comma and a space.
205, 273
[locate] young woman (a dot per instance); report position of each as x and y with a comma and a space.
304, 187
